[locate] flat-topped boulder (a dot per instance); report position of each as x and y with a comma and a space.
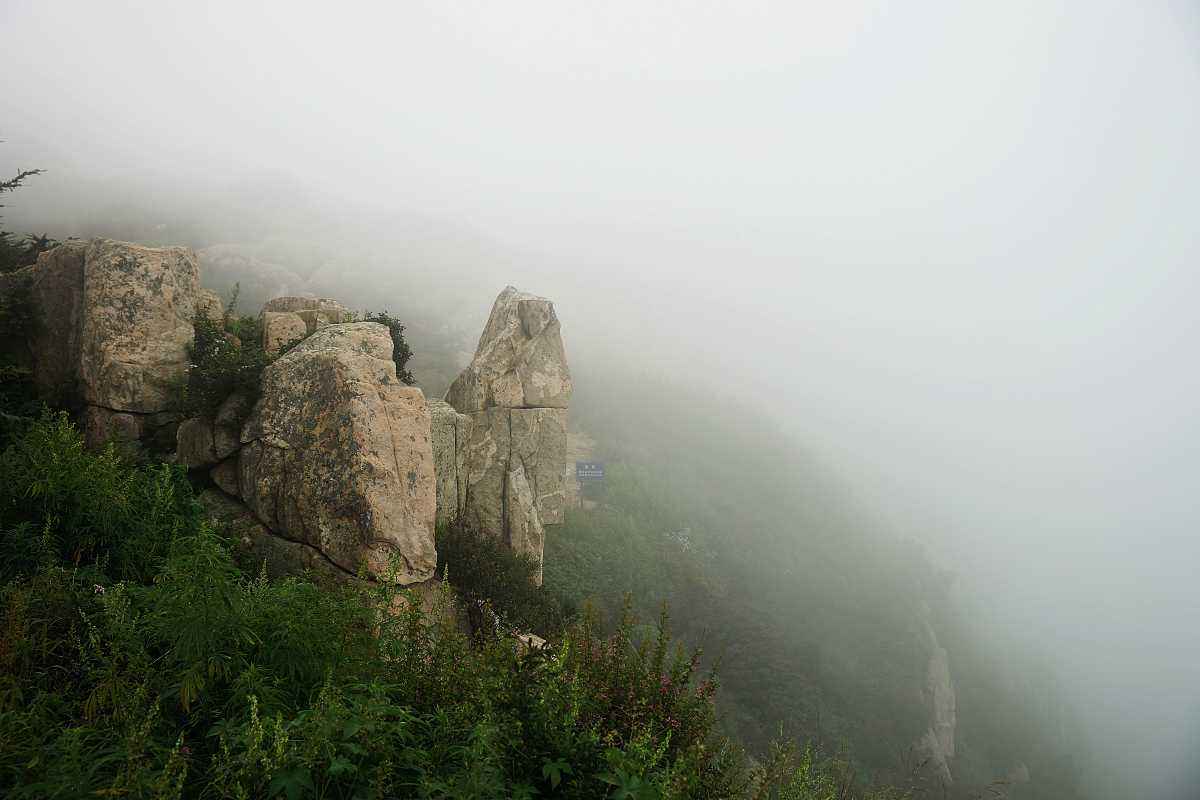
289, 319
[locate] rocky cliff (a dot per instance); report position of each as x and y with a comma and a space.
337, 464
501, 434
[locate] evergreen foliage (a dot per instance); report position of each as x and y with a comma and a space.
17, 252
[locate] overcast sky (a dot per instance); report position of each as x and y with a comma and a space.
953, 245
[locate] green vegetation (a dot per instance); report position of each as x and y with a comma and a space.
137, 659
401, 353
17, 252
495, 585
18, 398
816, 618
223, 363
227, 357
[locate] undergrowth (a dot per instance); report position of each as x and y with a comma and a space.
137, 660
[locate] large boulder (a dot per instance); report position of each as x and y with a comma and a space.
519, 363
139, 304
337, 454
111, 325
507, 463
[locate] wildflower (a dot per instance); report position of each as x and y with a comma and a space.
97, 588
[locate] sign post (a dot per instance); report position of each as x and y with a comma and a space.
589, 471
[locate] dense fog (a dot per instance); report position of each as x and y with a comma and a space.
951, 249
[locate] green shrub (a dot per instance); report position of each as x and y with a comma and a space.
137, 659
496, 584
58, 500
18, 397
222, 363
14, 253
401, 352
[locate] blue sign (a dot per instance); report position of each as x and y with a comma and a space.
589, 471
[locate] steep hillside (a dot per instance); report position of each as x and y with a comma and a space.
820, 622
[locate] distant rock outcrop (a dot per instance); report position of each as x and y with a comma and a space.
508, 415
937, 744
258, 279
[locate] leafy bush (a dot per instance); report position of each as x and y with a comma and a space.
496, 584
136, 659
401, 352
18, 397
225, 357
63, 504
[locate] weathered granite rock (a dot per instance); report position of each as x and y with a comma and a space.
227, 425
102, 425
316, 312
938, 741
280, 328
449, 435
539, 444
194, 443
486, 462
525, 533
225, 476
112, 322
255, 543
56, 298
208, 304
337, 454
138, 305
519, 363
509, 468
